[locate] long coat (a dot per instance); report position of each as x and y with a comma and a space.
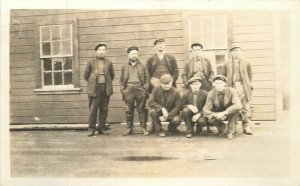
172, 104
90, 75
189, 71
187, 99
232, 102
245, 72
142, 74
171, 64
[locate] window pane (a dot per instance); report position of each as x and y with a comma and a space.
220, 40
195, 24
47, 78
47, 64
207, 40
56, 48
220, 59
68, 78
207, 25
57, 78
66, 32
45, 33
68, 63
57, 63
66, 48
219, 23
46, 49
55, 31
195, 38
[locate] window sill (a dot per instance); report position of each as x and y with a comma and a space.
46, 91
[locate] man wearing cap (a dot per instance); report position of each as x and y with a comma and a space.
165, 106
222, 104
198, 66
193, 101
99, 74
134, 84
161, 63
239, 76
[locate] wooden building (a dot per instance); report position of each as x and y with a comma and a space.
49, 50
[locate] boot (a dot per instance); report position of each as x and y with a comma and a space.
247, 131
91, 132
145, 132
127, 132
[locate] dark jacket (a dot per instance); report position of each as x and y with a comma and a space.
142, 73
187, 99
170, 61
173, 102
246, 75
189, 71
90, 75
232, 102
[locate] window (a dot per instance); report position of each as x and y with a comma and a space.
56, 55
211, 32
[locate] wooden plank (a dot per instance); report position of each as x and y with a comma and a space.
261, 60
263, 92
23, 26
22, 85
22, 64
131, 28
258, 53
22, 92
22, 78
263, 84
262, 69
257, 45
252, 29
49, 112
21, 49
22, 71
263, 100
22, 20
22, 57
253, 37
21, 41
252, 21
22, 35
264, 116
264, 76
264, 108
251, 13
129, 20
49, 119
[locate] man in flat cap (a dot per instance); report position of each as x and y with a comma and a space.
164, 103
193, 101
222, 104
239, 76
198, 66
161, 63
99, 74
134, 84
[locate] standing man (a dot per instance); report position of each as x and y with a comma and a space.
99, 74
198, 66
165, 106
222, 104
193, 101
134, 84
239, 76
161, 63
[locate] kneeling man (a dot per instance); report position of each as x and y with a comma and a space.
222, 104
193, 101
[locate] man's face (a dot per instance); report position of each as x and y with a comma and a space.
195, 86
160, 46
166, 86
196, 52
133, 55
236, 53
219, 85
101, 51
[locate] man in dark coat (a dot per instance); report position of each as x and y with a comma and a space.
161, 63
99, 74
193, 101
134, 84
165, 106
222, 104
239, 76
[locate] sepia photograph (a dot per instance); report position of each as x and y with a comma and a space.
150, 95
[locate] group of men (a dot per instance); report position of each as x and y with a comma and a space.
208, 99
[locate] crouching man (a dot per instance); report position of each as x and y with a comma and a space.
222, 104
164, 103
193, 101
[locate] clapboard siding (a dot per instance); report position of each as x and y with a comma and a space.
120, 29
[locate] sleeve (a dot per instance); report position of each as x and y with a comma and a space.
87, 71
112, 71
121, 81
149, 66
207, 109
185, 75
147, 78
184, 100
210, 71
153, 102
175, 68
176, 110
236, 103
249, 71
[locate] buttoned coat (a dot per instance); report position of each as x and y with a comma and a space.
90, 75
187, 99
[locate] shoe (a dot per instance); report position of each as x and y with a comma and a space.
189, 135
151, 129
198, 130
229, 136
162, 134
145, 132
107, 126
91, 132
247, 131
127, 132
101, 131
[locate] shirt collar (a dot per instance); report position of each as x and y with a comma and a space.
133, 63
160, 53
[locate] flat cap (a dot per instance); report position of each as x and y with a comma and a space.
158, 40
220, 77
194, 79
166, 78
132, 48
100, 45
196, 44
233, 46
